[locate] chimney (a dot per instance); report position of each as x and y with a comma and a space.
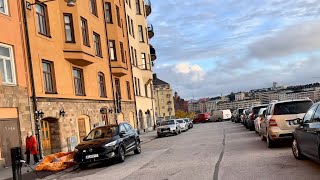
155, 76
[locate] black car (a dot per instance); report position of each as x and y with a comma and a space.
306, 142
107, 142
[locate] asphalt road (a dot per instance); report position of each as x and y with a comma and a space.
224, 151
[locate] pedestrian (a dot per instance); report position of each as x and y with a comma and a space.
31, 148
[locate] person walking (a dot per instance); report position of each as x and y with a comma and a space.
31, 148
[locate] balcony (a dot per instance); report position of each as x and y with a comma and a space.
78, 57
153, 53
146, 75
150, 31
148, 7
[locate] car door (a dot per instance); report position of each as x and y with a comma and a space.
124, 135
303, 134
313, 133
131, 135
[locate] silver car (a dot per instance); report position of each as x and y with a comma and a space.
169, 127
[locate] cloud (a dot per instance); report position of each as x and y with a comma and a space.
300, 38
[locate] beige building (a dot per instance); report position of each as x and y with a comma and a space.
139, 34
238, 104
163, 96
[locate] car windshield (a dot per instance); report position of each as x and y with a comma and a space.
240, 111
180, 121
102, 132
292, 107
256, 110
167, 122
187, 120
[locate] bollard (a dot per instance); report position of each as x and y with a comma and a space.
16, 156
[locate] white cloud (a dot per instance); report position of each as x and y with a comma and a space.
194, 71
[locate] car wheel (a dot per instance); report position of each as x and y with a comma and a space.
159, 135
270, 143
296, 151
83, 166
177, 132
138, 147
121, 157
263, 138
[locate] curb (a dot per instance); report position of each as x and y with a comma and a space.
146, 141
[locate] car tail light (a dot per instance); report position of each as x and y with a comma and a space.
273, 122
252, 116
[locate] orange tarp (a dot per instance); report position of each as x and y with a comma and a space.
57, 162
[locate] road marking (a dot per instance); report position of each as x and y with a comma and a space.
217, 167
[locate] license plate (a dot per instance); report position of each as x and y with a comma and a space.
92, 156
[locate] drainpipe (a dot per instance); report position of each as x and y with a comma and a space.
33, 91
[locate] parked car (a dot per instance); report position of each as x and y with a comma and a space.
107, 142
238, 115
203, 117
233, 116
254, 111
183, 124
169, 127
306, 142
190, 123
244, 117
220, 115
259, 119
278, 123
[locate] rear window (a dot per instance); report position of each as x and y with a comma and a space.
292, 107
257, 109
240, 111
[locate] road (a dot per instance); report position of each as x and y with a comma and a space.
223, 151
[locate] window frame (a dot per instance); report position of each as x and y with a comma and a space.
132, 28
12, 62
5, 7
45, 19
109, 10
141, 34
122, 52
146, 90
128, 90
97, 44
81, 80
113, 49
93, 7
118, 16
135, 57
85, 32
102, 85
69, 15
139, 87
144, 61
138, 7
52, 76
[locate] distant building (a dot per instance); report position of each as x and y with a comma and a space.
164, 106
240, 96
238, 104
180, 104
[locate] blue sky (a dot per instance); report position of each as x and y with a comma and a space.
209, 47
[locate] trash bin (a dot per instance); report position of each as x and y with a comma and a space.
16, 156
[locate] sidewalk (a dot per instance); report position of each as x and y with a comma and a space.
147, 137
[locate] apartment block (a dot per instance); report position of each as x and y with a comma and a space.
238, 104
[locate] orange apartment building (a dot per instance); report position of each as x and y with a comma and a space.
80, 66
15, 118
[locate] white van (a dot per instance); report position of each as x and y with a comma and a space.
221, 115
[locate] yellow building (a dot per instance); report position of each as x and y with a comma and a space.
141, 60
163, 95
79, 69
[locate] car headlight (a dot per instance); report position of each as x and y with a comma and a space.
113, 143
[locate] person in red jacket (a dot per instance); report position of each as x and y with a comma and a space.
31, 148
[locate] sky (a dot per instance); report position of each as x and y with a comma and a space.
206, 48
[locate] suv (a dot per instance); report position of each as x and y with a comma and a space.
168, 127
278, 124
203, 117
253, 115
107, 142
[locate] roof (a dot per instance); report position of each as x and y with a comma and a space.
157, 81
293, 100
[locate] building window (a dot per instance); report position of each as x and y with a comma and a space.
138, 8
163, 108
146, 89
93, 7
141, 36
108, 13
122, 52
48, 77
112, 49
139, 87
102, 85
132, 28
118, 16
132, 55
143, 60
129, 25
97, 44
135, 57
78, 82
84, 29
7, 65
42, 19
128, 90
118, 89
130, 3
135, 86
4, 7
68, 27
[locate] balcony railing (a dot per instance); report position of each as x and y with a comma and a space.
153, 53
148, 7
150, 31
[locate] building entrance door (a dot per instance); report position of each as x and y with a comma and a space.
45, 137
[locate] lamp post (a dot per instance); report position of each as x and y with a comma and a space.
38, 113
